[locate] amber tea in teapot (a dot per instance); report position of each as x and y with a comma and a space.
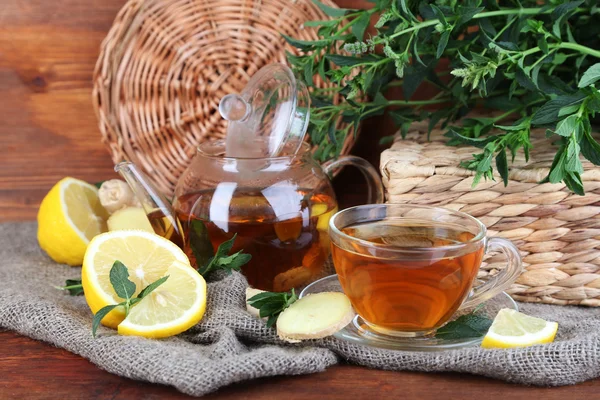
288, 251
260, 184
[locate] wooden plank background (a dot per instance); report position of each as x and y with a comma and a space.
48, 49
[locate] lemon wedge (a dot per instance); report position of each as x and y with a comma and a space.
319, 210
514, 329
147, 257
172, 308
69, 217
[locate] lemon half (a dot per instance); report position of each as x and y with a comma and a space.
69, 217
172, 308
514, 329
147, 257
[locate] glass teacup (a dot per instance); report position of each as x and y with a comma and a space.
407, 269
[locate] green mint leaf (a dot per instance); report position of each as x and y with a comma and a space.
467, 326
590, 148
574, 183
426, 11
119, 279
442, 44
476, 142
328, 23
221, 260
225, 247
308, 73
99, 184
270, 309
235, 261
557, 169
503, 103
439, 14
271, 304
331, 11
512, 128
73, 286
524, 80
360, 26
590, 76
350, 61
151, 287
272, 320
406, 9
502, 165
321, 69
568, 110
567, 126
466, 13
551, 84
414, 75
548, 113
564, 8
100, 315
305, 45
200, 243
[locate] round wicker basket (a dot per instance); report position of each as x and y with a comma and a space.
165, 64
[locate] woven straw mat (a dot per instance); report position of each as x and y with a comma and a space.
556, 231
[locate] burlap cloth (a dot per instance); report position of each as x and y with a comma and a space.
229, 345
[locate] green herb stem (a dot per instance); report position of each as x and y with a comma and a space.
523, 58
349, 24
580, 48
69, 287
486, 14
418, 102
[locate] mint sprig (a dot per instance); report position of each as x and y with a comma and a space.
206, 260
534, 62
125, 289
73, 286
271, 304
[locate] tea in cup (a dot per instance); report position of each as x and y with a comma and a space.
407, 269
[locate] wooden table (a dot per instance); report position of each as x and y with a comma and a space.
48, 130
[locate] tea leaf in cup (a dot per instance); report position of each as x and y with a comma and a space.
471, 325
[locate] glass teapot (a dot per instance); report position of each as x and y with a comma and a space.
276, 202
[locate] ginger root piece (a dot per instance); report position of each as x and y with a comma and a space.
315, 316
251, 292
116, 194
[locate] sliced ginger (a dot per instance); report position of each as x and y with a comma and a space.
315, 316
251, 292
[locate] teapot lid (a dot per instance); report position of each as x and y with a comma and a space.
272, 112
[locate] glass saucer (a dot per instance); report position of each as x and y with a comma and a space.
359, 333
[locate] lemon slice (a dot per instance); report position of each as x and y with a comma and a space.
174, 307
514, 329
69, 217
147, 257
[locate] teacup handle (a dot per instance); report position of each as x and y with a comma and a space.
374, 184
501, 281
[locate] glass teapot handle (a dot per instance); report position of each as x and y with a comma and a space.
374, 184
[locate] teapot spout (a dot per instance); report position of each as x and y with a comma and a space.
157, 207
